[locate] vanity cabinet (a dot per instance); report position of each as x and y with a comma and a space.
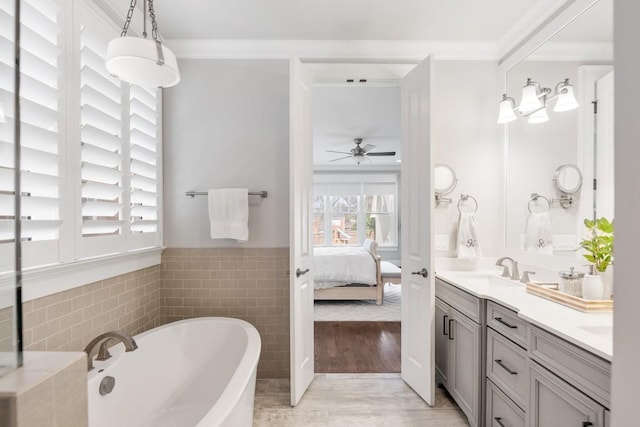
458, 351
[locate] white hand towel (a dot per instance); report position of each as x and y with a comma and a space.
539, 237
229, 213
468, 246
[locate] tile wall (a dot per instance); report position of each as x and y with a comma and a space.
67, 321
250, 284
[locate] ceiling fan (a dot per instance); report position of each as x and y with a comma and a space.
359, 153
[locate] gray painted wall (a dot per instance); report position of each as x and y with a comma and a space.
467, 138
227, 125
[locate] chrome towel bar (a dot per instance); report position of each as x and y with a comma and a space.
192, 194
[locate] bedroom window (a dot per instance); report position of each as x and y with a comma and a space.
380, 219
344, 220
349, 208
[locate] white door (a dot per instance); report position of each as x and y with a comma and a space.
301, 176
418, 287
604, 152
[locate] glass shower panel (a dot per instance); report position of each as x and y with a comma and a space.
10, 347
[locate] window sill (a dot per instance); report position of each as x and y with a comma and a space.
42, 281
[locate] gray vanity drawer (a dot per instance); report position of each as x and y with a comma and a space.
585, 371
465, 303
507, 367
507, 323
501, 411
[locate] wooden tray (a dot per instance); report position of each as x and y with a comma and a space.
574, 302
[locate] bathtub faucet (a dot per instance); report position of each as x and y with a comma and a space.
103, 352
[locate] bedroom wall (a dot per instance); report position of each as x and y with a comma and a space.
467, 138
227, 125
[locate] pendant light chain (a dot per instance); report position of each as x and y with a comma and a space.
127, 22
152, 15
154, 24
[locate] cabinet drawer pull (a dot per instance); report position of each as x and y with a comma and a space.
450, 330
508, 325
499, 421
505, 367
587, 423
444, 325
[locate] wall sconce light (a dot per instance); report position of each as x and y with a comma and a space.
139, 60
533, 104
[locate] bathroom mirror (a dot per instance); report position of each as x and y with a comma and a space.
568, 179
444, 179
554, 156
10, 351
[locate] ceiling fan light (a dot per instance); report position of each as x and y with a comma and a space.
136, 60
357, 158
530, 100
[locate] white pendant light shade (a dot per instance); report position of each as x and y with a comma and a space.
358, 158
135, 60
3, 118
566, 99
506, 113
530, 100
539, 116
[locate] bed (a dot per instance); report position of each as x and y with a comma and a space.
348, 273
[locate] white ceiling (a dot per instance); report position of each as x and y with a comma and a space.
342, 113
485, 20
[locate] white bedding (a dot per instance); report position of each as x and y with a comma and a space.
338, 266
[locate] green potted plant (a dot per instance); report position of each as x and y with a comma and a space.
598, 247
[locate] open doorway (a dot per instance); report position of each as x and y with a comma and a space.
357, 159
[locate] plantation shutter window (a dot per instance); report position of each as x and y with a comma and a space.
41, 118
101, 139
143, 138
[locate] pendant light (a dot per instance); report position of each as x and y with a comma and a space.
139, 60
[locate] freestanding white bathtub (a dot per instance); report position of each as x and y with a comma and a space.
195, 372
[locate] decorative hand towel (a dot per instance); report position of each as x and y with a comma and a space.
539, 237
229, 213
468, 247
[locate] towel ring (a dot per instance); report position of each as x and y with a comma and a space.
464, 197
534, 198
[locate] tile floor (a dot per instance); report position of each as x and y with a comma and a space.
353, 400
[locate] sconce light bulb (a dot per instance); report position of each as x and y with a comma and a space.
566, 98
506, 113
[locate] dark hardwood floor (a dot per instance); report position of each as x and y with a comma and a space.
357, 347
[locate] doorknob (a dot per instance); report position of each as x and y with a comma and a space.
424, 272
301, 272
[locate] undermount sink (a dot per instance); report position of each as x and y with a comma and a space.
598, 330
482, 278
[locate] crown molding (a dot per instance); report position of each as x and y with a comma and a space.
390, 51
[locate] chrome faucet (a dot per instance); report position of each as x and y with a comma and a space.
103, 352
515, 274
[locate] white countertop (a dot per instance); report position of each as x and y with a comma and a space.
591, 331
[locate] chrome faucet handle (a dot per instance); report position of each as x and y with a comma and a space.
505, 271
515, 274
525, 276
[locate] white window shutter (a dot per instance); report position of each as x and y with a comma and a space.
101, 112
40, 103
143, 139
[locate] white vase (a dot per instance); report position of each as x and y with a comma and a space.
592, 287
607, 280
